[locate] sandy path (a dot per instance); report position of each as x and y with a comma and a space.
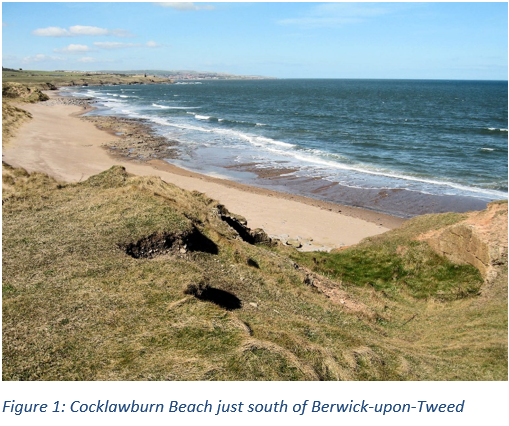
57, 142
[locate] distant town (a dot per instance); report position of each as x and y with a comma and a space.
199, 75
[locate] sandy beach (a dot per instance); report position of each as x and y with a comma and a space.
63, 145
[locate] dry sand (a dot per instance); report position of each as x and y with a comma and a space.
57, 142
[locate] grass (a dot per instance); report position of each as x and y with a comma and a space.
12, 118
76, 306
397, 261
49, 79
22, 93
12, 115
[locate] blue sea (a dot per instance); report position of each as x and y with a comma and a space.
403, 147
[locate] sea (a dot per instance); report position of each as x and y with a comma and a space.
402, 147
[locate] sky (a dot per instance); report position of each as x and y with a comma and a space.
467, 41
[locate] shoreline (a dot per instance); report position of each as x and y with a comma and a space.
399, 200
124, 148
63, 145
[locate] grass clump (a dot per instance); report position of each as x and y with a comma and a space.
22, 93
396, 261
13, 116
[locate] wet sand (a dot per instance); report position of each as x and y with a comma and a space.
397, 202
63, 145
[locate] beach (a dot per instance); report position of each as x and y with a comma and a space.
344, 142
61, 144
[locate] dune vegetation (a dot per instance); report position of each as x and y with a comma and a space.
127, 278
14, 95
50, 80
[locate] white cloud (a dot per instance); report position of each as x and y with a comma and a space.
87, 60
4, 24
337, 14
41, 58
86, 30
110, 45
79, 30
91, 60
96, 31
73, 49
184, 6
51, 32
152, 44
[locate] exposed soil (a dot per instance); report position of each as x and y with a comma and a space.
159, 244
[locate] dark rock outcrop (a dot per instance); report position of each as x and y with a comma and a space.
239, 224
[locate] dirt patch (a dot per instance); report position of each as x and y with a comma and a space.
336, 295
479, 240
159, 244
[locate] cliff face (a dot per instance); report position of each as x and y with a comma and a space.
479, 240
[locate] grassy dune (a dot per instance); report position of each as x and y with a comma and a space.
127, 278
51, 79
12, 118
14, 95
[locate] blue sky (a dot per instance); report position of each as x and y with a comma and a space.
285, 40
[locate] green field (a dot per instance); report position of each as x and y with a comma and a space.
46, 79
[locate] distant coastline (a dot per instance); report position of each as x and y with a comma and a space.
183, 75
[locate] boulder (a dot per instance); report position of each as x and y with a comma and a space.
260, 236
294, 243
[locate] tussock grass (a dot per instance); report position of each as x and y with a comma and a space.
22, 93
77, 306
